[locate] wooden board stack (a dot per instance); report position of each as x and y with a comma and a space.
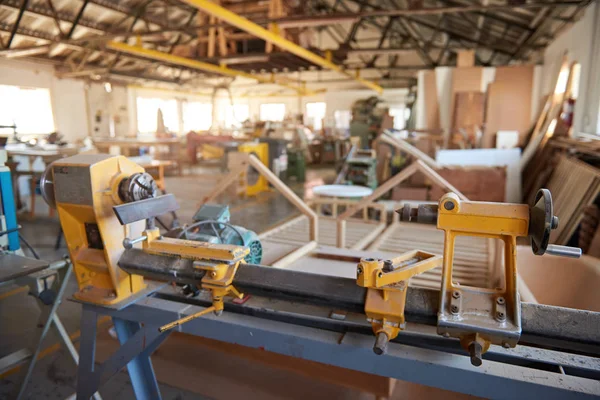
574, 185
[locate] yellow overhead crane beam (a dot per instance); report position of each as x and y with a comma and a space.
246, 25
202, 66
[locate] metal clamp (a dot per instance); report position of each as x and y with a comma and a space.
387, 283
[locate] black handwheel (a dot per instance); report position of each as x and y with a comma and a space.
541, 221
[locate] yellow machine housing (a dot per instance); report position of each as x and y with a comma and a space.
260, 184
387, 286
481, 316
86, 189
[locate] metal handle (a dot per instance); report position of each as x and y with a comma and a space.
563, 251
183, 320
128, 243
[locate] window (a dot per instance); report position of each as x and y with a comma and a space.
16, 105
236, 114
197, 116
342, 119
272, 112
315, 112
399, 115
147, 114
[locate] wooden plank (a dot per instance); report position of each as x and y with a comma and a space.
466, 79
368, 238
477, 183
288, 194
468, 113
432, 107
295, 255
509, 103
595, 244
465, 58
406, 147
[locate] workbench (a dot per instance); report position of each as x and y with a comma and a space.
290, 319
131, 147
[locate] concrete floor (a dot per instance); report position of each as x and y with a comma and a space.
54, 376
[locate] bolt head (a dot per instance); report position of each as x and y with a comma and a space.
500, 300
454, 309
456, 294
449, 205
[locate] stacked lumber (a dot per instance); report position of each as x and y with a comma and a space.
574, 185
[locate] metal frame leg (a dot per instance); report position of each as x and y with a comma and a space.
48, 317
140, 368
137, 344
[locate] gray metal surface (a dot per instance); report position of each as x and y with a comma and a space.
144, 209
13, 266
354, 351
560, 328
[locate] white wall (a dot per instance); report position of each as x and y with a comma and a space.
581, 42
76, 104
68, 101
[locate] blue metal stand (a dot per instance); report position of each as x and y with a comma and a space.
137, 344
8, 208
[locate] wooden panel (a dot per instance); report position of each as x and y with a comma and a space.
468, 112
477, 183
465, 80
566, 282
465, 58
509, 103
432, 107
574, 185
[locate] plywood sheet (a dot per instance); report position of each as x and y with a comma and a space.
469, 110
465, 80
477, 183
567, 282
432, 108
509, 103
509, 158
465, 58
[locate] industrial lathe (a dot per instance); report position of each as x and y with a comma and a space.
479, 341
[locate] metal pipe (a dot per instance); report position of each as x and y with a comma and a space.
262, 33
199, 65
563, 251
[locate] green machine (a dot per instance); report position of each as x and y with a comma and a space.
212, 226
361, 169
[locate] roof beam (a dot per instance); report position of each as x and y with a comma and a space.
198, 65
77, 18
15, 27
326, 19
260, 32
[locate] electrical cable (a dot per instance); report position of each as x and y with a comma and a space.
213, 222
10, 230
161, 223
31, 249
